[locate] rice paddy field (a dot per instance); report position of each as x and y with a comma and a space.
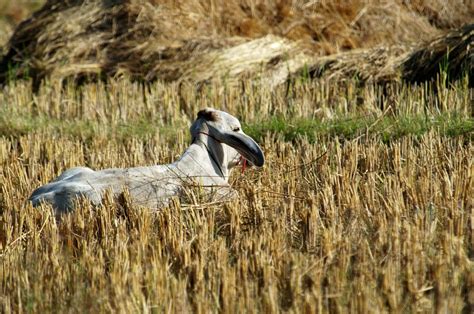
365, 203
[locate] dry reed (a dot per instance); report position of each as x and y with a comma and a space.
330, 226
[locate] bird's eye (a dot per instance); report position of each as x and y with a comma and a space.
236, 129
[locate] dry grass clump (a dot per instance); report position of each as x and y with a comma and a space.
11, 14
170, 40
453, 54
331, 226
377, 65
449, 57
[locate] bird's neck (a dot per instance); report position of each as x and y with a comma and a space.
206, 160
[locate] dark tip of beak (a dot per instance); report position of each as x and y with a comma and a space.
259, 160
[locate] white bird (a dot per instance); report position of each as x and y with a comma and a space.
218, 145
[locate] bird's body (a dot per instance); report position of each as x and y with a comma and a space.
205, 164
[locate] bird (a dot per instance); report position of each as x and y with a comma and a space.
218, 145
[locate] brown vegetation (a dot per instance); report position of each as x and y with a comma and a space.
336, 226
330, 224
12, 12
171, 40
453, 53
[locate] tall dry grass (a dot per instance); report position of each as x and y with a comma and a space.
332, 226
178, 40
